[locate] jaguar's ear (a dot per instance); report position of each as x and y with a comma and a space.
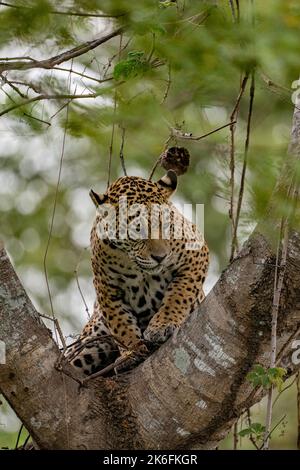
98, 199
168, 183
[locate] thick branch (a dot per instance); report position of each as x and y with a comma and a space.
48, 402
187, 394
195, 386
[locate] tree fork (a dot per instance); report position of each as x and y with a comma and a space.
186, 395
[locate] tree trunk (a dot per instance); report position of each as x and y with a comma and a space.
186, 395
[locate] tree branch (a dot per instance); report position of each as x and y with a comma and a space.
48, 401
45, 96
194, 386
60, 58
190, 392
67, 12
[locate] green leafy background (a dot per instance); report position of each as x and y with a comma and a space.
196, 52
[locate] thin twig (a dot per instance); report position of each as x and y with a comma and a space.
60, 367
56, 327
249, 425
87, 15
235, 436
35, 87
159, 158
245, 162
283, 390
168, 85
79, 288
188, 136
110, 60
113, 124
278, 284
232, 10
233, 119
176, 134
63, 57
19, 436
9, 83
17, 58
57, 330
272, 84
51, 228
25, 442
56, 97
46, 97
278, 90
84, 75
273, 429
37, 119
122, 151
237, 3
111, 145
61, 108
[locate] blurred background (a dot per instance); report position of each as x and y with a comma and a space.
177, 65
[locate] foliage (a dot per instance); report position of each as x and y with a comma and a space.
255, 429
260, 376
177, 65
135, 64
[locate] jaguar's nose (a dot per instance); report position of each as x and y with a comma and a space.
157, 258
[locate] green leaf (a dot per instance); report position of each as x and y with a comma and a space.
245, 432
277, 372
135, 64
158, 28
256, 428
258, 369
266, 377
276, 376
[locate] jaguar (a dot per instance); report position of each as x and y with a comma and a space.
149, 264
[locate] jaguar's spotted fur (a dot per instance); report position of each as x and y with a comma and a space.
145, 288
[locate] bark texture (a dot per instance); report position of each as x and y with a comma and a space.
187, 394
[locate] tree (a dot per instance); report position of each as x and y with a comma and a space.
210, 367
220, 344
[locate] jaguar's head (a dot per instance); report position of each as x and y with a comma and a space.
134, 215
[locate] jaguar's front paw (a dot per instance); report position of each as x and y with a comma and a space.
159, 333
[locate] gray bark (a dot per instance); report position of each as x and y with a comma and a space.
187, 394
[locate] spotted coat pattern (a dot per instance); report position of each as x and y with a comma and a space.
145, 288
